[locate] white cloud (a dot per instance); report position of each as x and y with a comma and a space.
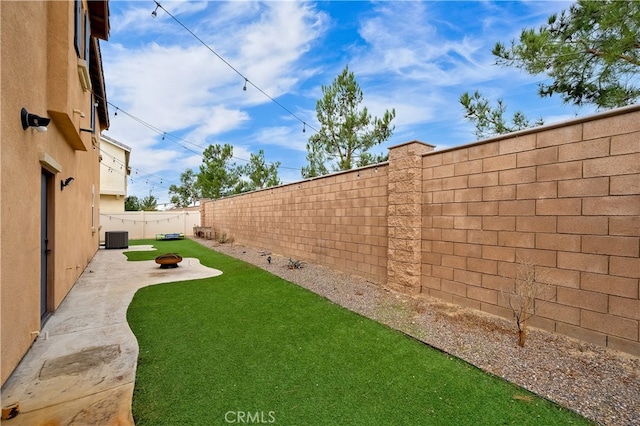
416, 57
282, 136
172, 83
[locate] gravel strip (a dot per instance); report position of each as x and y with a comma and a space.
601, 384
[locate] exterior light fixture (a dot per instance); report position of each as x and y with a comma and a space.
65, 182
32, 120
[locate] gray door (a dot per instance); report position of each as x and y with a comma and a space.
44, 242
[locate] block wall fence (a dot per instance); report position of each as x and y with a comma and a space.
455, 224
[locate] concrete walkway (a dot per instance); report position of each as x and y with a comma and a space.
81, 369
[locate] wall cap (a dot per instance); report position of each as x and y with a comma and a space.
565, 123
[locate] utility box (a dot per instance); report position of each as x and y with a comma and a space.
116, 240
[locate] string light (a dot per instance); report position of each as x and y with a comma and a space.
246, 80
175, 138
167, 219
149, 176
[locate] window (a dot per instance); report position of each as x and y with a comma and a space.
77, 39
87, 36
82, 34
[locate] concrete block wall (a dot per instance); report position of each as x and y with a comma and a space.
338, 220
453, 224
564, 198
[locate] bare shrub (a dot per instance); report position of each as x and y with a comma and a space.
295, 264
522, 297
223, 237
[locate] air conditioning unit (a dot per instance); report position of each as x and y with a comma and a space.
116, 240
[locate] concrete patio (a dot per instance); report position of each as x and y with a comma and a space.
81, 369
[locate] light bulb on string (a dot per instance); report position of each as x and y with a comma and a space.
304, 127
155, 11
245, 85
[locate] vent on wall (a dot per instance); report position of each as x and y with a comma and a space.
116, 240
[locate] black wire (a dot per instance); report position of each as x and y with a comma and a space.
169, 135
304, 123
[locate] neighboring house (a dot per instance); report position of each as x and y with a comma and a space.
51, 67
113, 174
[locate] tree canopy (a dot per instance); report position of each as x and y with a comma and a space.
347, 132
218, 175
490, 120
132, 204
257, 174
149, 203
187, 193
591, 52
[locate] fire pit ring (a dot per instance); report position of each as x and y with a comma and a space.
168, 260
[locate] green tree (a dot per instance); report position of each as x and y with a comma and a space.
149, 204
367, 159
218, 175
132, 204
591, 52
259, 174
490, 120
346, 131
186, 194
316, 159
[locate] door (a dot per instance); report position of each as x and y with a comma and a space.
44, 244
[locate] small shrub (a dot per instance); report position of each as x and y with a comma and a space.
223, 237
295, 264
522, 299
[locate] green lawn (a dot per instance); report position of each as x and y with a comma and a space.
249, 347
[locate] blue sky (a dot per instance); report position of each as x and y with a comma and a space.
174, 96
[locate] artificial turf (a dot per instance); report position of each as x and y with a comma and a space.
249, 347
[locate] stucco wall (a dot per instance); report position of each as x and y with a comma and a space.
113, 171
39, 72
453, 224
111, 203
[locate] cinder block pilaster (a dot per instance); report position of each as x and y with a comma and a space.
405, 216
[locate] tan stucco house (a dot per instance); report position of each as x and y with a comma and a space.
52, 112
114, 171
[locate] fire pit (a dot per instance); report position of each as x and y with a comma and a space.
168, 260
